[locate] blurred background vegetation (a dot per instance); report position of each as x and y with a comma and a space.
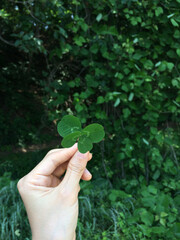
116, 62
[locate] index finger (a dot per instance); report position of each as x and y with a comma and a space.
53, 160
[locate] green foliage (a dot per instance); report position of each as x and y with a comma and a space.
105, 213
13, 219
70, 128
115, 63
5, 179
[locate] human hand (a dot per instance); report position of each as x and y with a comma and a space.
52, 203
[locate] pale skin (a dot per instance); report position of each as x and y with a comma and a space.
51, 202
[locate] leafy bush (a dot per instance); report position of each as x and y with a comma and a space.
147, 214
116, 63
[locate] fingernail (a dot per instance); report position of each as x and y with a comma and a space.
74, 146
90, 155
87, 172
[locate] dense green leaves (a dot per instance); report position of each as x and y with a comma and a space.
70, 128
115, 62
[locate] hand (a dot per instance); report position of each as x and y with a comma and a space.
52, 203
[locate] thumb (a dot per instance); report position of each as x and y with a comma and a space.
75, 170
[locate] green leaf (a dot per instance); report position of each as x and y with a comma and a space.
147, 218
117, 102
158, 230
95, 132
174, 23
178, 52
162, 67
111, 30
79, 40
17, 43
99, 17
126, 112
63, 32
94, 48
170, 65
158, 11
148, 64
101, 115
152, 189
171, 15
70, 139
119, 75
71, 84
156, 175
100, 100
164, 214
175, 83
68, 124
176, 229
177, 34
131, 96
84, 144
145, 141
84, 26
118, 194
78, 107
137, 56
158, 64
153, 130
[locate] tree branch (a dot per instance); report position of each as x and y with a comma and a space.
5, 41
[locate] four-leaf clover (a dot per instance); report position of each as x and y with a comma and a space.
71, 131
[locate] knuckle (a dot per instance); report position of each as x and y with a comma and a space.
54, 162
51, 151
20, 184
67, 154
76, 167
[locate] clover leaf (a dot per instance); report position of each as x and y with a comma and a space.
70, 139
70, 128
84, 144
95, 132
68, 124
